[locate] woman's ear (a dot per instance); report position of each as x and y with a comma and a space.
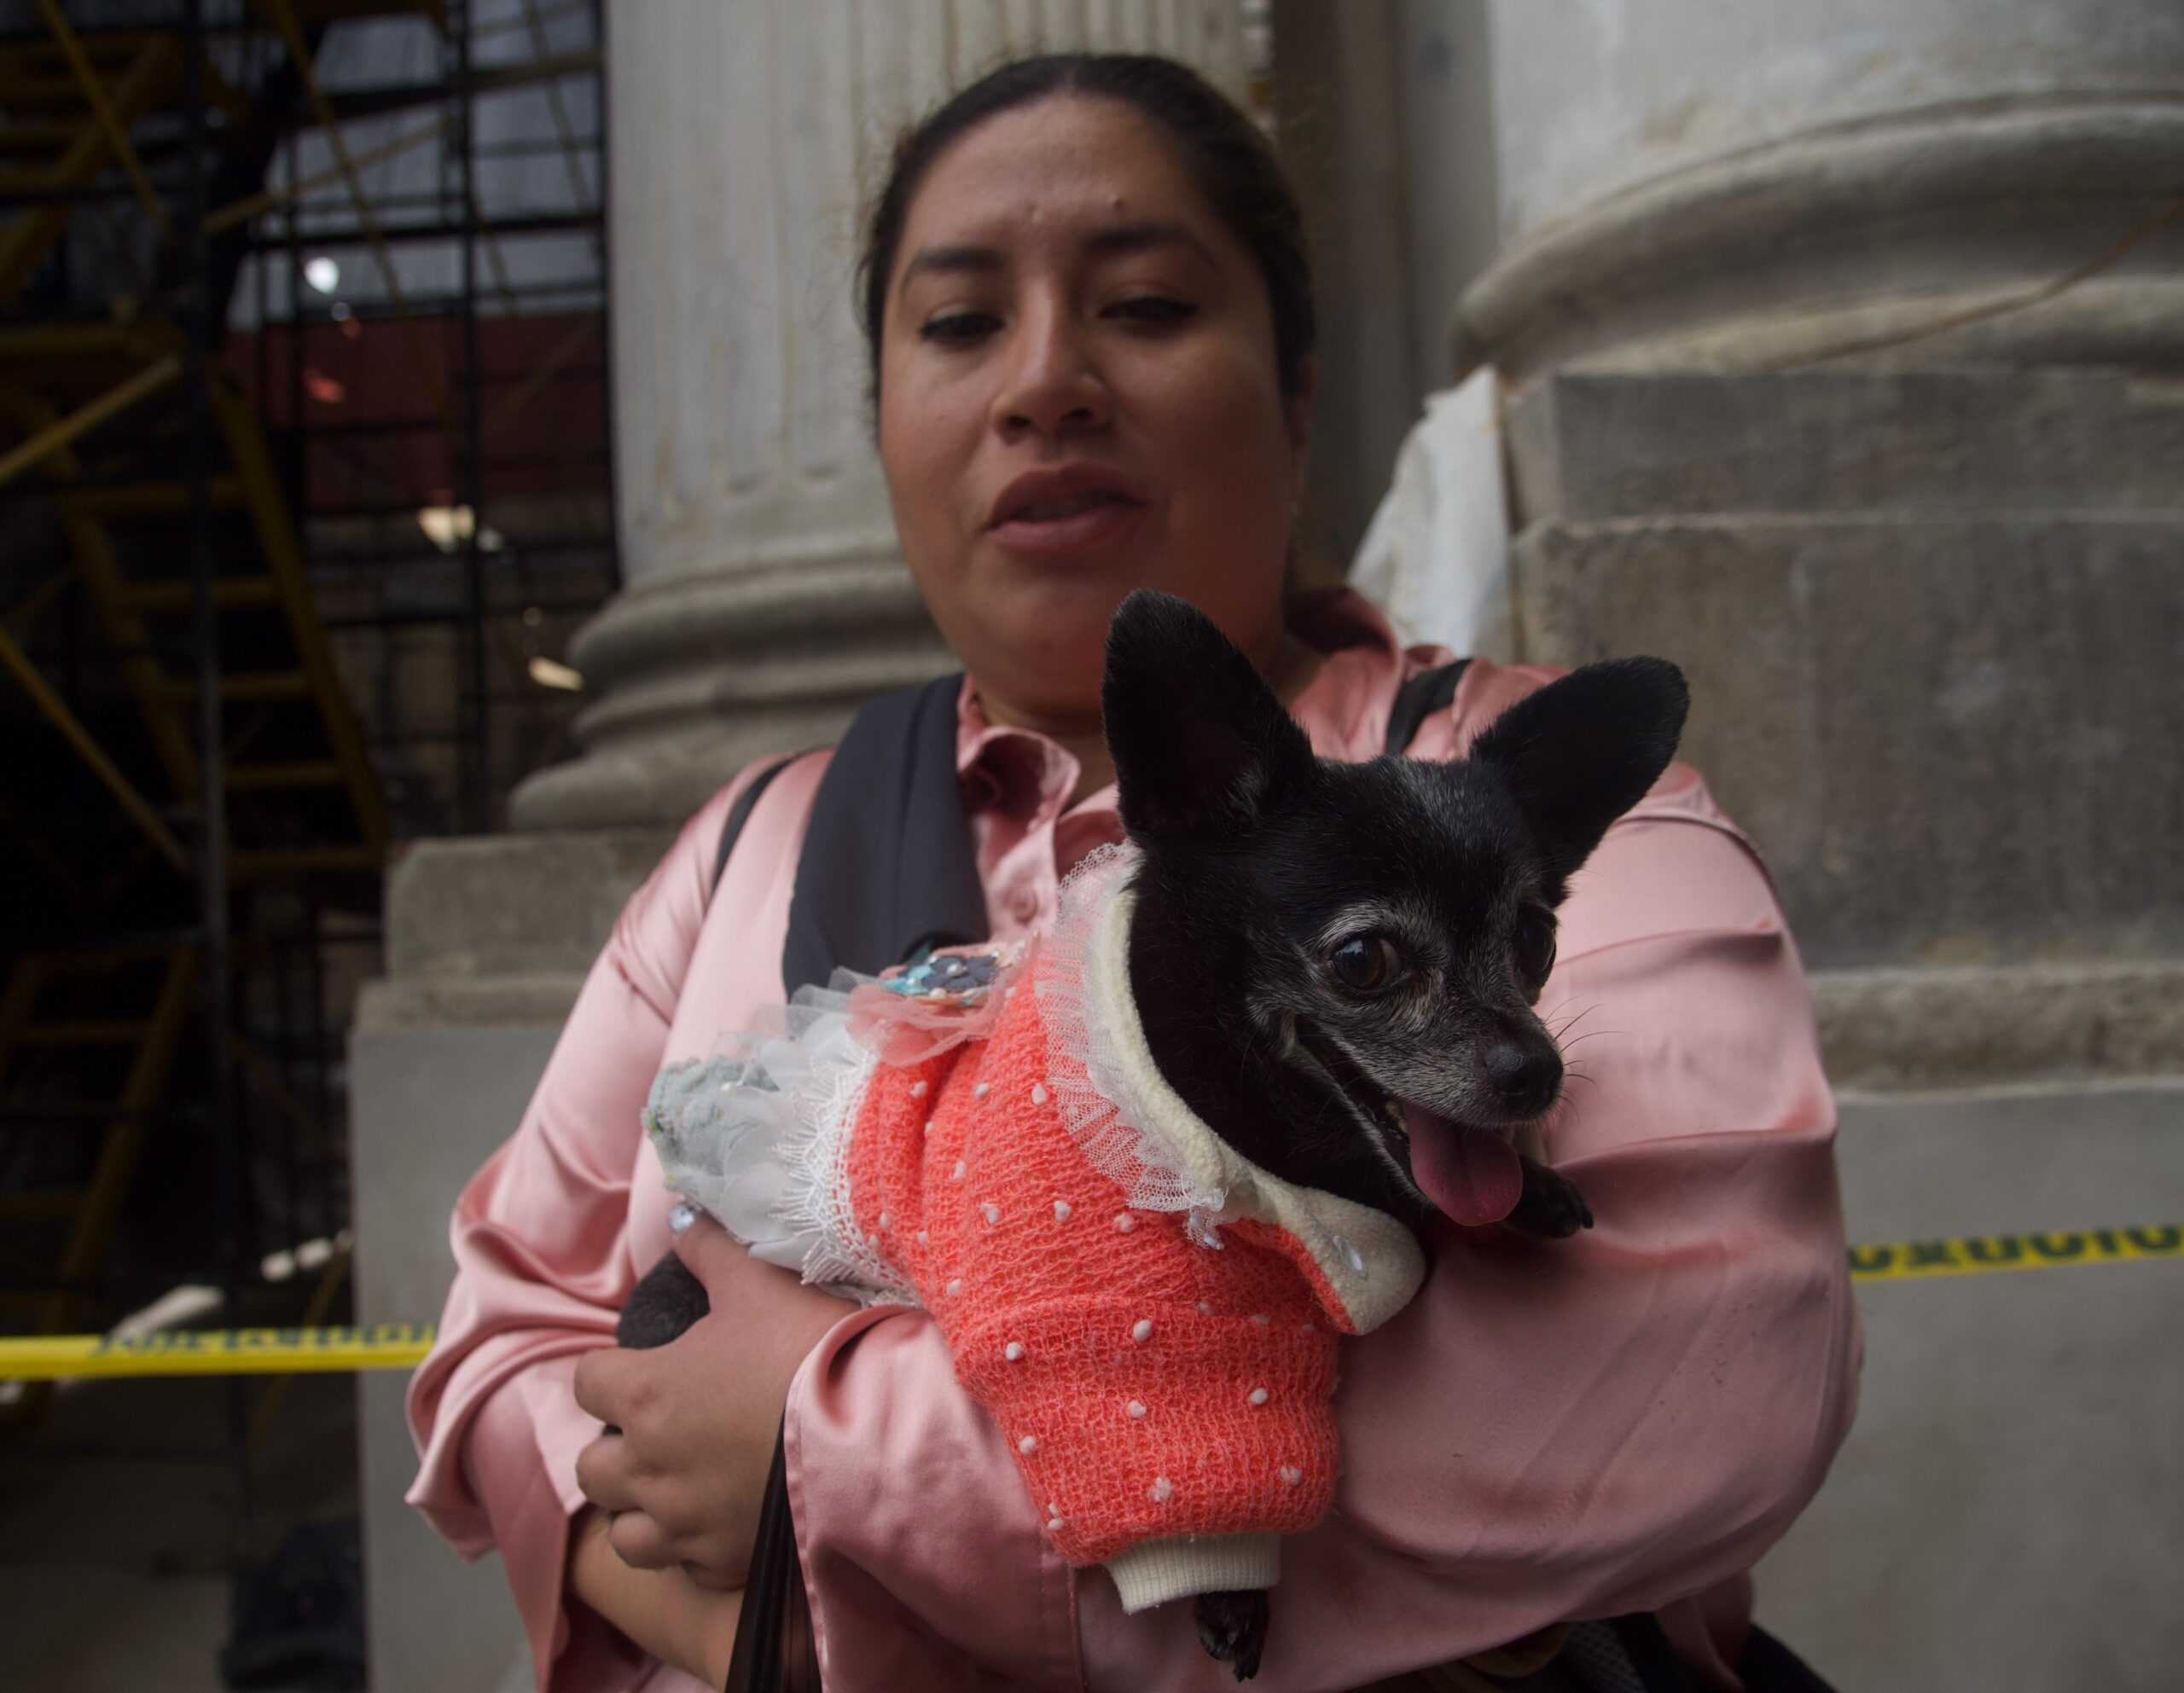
1299, 406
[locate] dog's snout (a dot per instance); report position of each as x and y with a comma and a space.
1524, 1077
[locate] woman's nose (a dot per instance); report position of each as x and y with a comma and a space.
1050, 383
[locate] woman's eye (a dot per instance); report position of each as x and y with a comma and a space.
1154, 309
1365, 962
956, 327
1534, 946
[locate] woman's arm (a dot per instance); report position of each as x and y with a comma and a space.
661, 1611
543, 1266
1617, 1421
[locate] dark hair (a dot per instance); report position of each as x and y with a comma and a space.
1223, 151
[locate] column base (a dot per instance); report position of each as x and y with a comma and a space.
698, 675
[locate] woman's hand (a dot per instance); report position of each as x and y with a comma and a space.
699, 1417
663, 1611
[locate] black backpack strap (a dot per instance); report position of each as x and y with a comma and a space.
888, 862
740, 813
1419, 698
776, 1650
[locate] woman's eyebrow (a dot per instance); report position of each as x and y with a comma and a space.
1115, 242
1124, 239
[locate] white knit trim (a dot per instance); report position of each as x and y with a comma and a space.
1153, 1572
1075, 980
815, 1151
1371, 1261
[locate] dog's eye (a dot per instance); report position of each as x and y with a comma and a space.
1364, 962
1535, 945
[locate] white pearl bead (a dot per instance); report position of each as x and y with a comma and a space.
1012, 1351
1028, 1445
1291, 1475
1140, 1330
954, 1287
1061, 1210
1163, 1490
1258, 1395
1125, 1222
1135, 1407
918, 1090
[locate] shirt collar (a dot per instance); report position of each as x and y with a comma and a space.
1344, 709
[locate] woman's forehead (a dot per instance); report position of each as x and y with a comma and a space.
1079, 172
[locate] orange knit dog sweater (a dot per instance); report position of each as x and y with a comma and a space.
1150, 1319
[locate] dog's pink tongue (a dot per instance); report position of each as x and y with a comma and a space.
1471, 1174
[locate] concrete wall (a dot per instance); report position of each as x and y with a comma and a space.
428, 1107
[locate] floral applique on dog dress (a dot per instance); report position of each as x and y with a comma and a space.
1150, 1319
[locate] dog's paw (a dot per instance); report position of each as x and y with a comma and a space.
1550, 1206
1232, 1628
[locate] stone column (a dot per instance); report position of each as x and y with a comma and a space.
1842, 345
765, 596
1843, 366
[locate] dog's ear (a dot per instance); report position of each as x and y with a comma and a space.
1200, 743
1583, 749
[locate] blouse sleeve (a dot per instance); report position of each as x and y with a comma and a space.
1550, 1431
543, 1267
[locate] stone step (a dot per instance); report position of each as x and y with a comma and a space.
2016, 1432
1599, 446
493, 906
1924, 1027
1953, 737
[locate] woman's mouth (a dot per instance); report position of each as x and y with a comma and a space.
1047, 511
1077, 524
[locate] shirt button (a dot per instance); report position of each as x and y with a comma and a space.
1023, 905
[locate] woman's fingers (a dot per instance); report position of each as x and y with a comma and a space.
604, 1473
603, 1384
712, 1255
641, 1542
719, 1579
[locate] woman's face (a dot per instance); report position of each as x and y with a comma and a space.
1066, 307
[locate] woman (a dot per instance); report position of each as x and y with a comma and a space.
1091, 328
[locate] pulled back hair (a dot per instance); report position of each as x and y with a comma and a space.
1220, 148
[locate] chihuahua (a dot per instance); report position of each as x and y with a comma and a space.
1336, 966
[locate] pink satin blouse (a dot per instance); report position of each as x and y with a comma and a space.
1623, 1421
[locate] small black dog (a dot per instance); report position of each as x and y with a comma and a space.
1336, 965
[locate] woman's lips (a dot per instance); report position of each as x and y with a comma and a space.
1099, 524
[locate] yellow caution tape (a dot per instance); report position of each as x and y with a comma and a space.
218, 1352
1973, 1254
402, 1346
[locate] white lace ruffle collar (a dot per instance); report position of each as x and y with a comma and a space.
1135, 1128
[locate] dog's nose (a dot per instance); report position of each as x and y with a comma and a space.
1524, 1077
